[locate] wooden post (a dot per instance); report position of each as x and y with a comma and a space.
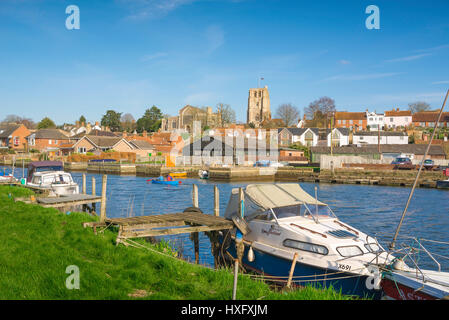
195, 196
241, 198
216, 201
94, 205
236, 273
292, 270
197, 247
93, 186
84, 183
103, 198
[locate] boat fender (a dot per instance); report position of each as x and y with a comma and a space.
251, 256
399, 264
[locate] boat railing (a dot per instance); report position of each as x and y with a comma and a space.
429, 254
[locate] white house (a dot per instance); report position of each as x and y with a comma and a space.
374, 120
386, 137
306, 136
397, 118
339, 136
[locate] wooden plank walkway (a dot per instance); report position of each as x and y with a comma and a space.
164, 224
69, 200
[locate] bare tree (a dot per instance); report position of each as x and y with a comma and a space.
320, 111
12, 118
418, 106
226, 114
128, 122
288, 113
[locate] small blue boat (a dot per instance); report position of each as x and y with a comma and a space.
161, 180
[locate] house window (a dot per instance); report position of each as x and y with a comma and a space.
391, 119
56, 141
16, 141
360, 121
49, 141
350, 121
344, 121
339, 121
81, 149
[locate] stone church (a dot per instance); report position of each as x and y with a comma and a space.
187, 115
258, 106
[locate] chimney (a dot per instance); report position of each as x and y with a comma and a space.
83, 124
77, 123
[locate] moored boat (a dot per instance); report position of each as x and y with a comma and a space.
203, 174
405, 283
168, 181
178, 174
50, 175
284, 220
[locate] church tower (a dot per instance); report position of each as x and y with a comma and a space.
258, 106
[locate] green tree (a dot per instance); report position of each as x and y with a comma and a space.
112, 120
82, 120
46, 123
150, 121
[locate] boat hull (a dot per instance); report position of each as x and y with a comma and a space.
306, 275
173, 183
443, 184
178, 174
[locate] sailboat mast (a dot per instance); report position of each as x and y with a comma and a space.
417, 175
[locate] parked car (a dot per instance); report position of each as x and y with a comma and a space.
402, 161
429, 165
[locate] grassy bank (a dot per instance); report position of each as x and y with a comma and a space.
38, 244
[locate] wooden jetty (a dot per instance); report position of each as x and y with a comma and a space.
68, 200
83, 199
191, 221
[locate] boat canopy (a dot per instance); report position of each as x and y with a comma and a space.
43, 165
262, 197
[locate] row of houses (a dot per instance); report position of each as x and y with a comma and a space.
312, 137
372, 121
60, 143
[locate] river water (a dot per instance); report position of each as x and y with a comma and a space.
375, 210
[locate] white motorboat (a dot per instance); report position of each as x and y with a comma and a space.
283, 220
50, 175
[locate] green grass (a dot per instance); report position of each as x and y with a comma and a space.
38, 244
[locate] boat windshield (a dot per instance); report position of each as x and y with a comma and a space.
307, 211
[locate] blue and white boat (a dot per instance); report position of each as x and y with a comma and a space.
281, 220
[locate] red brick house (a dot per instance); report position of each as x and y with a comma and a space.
428, 118
13, 136
351, 120
48, 140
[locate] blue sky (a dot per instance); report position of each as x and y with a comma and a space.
131, 54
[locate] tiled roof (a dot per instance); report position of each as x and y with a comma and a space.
350, 115
398, 113
430, 117
104, 142
382, 133
7, 129
53, 134
141, 144
417, 149
95, 132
